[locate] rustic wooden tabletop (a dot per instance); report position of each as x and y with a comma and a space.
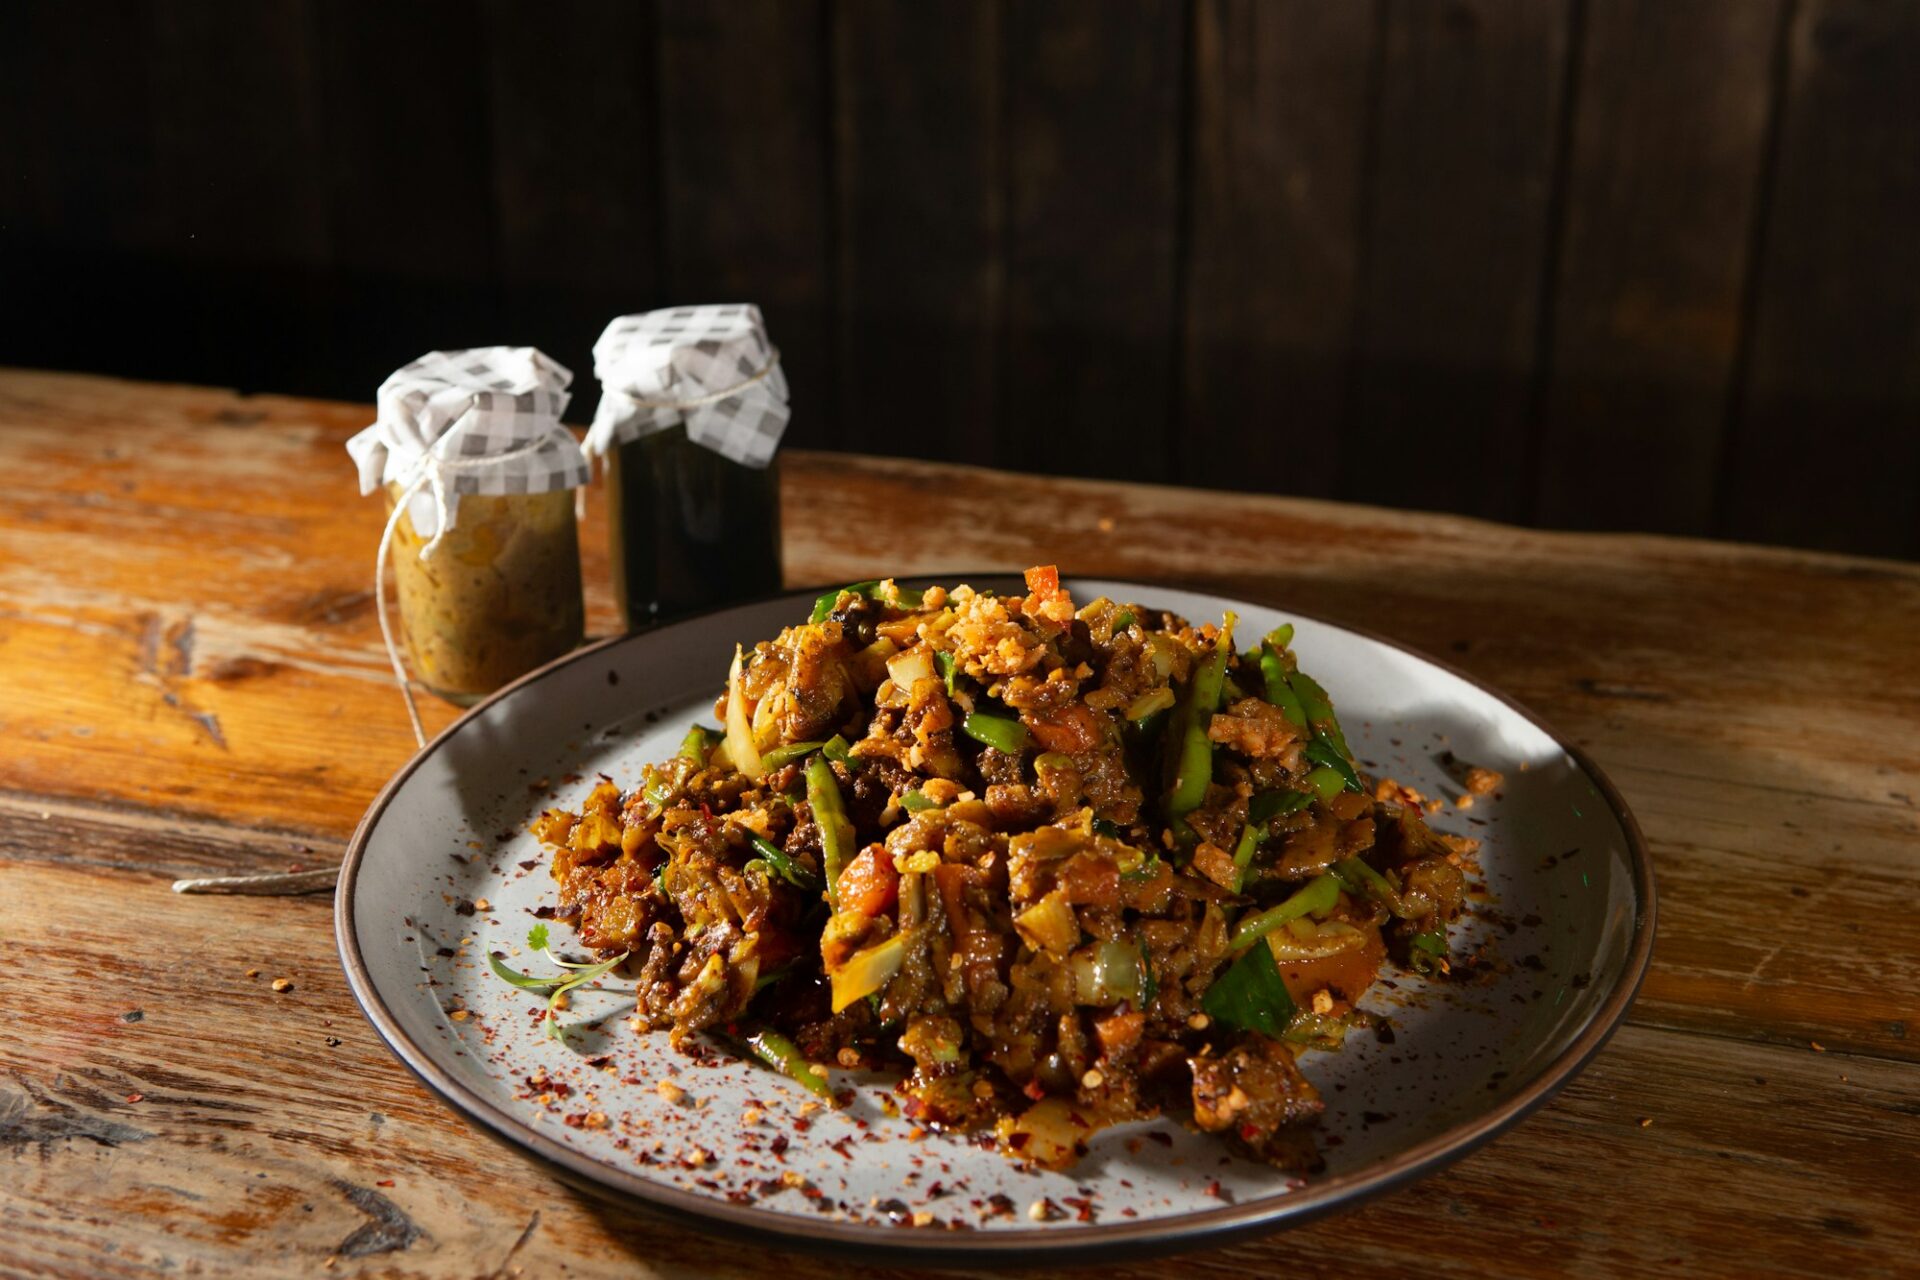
191, 682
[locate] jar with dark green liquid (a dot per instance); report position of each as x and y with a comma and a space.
690, 530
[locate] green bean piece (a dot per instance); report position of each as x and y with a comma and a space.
781, 756
999, 732
784, 1056
1243, 854
1359, 873
1317, 897
782, 863
1326, 783
1280, 637
835, 749
1193, 765
1268, 805
949, 669
1319, 709
917, 801
697, 744
1273, 673
830, 813
823, 607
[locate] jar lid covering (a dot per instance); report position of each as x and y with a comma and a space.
711, 367
486, 420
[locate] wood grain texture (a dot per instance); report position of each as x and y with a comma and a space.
1839, 275
1093, 201
190, 683
1465, 153
919, 154
575, 136
1669, 139
744, 119
1280, 99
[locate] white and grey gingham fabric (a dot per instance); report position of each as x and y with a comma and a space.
652, 365
464, 408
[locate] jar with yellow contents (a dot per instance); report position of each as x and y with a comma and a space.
481, 537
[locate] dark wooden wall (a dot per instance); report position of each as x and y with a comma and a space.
1633, 264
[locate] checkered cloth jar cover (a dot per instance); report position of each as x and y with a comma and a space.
486, 419
711, 367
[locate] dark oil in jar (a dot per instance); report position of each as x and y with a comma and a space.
691, 530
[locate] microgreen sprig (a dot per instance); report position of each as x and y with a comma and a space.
577, 975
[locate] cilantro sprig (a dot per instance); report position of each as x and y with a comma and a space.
576, 975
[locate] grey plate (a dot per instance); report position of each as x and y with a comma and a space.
1569, 909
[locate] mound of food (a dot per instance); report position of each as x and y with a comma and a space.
1058, 867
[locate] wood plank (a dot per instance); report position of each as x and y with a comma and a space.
407, 166
1466, 148
236, 118
575, 173
1669, 136
1816, 457
1281, 92
920, 207
1093, 200
746, 217
181, 1138
88, 195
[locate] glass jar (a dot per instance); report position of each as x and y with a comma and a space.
690, 529
498, 597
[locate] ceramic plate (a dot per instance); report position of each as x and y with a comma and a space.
442, 871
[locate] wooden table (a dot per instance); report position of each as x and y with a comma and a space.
191, 682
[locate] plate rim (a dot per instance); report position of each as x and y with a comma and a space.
1140, 1238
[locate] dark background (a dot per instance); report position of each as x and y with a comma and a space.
1629, 264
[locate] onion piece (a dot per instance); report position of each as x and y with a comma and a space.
740, 748
865, 972
916, 664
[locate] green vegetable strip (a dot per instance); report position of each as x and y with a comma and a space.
1251, 996
916, 801
782, 756
1317, 897
1193, 768
998, 732
1280, 637
1273, 672
830, 812
1319, 709
823, 607
542, 986
1321, 752
835, 749
1122, 620
697, 744
789, 870
1243, 854
1361, 875
943, 662
1326, 783
1269, 805
784, 1056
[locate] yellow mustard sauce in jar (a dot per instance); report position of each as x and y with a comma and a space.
499, 596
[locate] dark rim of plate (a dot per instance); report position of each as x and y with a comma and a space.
1135, 1239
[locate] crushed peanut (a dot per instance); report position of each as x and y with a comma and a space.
1323, 1002
672, 1092
283, 984
1199, 1022
1092, 1080
1483, 782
